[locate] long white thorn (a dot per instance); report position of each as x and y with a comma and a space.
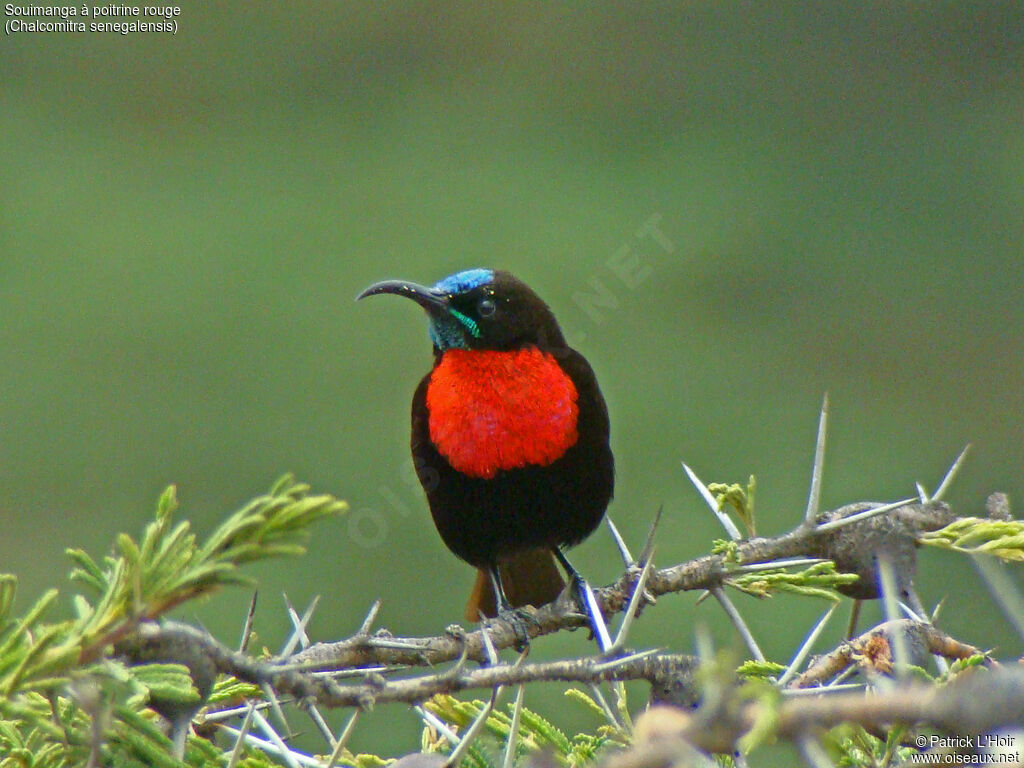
865, 515
268, 730
771, 565
837, 681
229, 714
604, 641
805, 649
290, 756
321, 724
438, 724
396, 643
648, 548
922, 494
513, 729
891, 606
250, 616
634, 601
723, 518
240, 736
1004, 591
623, 660
275, 706
738, 622
343, 739
814, 497
489, 649
298, 635
627, 558
613, 720
951, 474
823, 689
371, 615
470, 733
813, 753
916, 611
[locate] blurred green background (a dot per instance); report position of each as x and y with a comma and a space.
730, 209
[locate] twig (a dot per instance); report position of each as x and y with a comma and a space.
873, 649
969, 704
702, 573
302, 685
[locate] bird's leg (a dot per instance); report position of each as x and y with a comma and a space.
571, 572
504, 606
585, 595
506, 612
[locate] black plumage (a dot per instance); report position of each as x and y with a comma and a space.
508, 518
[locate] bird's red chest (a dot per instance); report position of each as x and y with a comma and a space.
491, 410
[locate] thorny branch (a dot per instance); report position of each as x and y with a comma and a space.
873, 650
670, 674
971, 704
703, 573
374, 689
854, 537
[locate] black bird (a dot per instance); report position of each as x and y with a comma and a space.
509, 436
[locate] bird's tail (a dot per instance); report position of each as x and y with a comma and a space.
530, 577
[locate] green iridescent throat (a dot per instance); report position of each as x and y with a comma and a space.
468, 322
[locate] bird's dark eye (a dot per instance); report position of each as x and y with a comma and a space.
485, 308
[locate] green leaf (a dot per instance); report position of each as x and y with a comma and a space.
29, 620
759, 669
1002, 538
8, 589
817, 580
740, 499
727, 548
232, 689
577, 695
169, 682
87, 572
168, 502
545, 733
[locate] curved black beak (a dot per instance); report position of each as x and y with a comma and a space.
428, 298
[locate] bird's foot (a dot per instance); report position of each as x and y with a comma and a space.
578, 585
521, 620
